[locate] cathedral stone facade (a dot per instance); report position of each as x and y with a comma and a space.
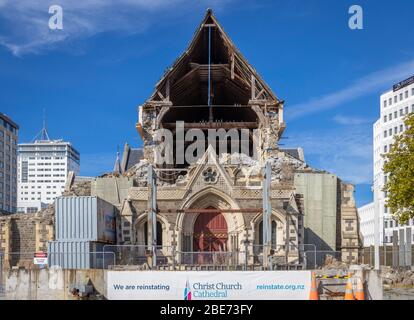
215, 204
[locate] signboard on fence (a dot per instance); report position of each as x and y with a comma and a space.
40, 258
205, 285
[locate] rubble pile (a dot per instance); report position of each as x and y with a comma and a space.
82, 188
397, 278
332, 263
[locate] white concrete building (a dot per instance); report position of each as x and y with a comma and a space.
395, 104
366, 224
43, 168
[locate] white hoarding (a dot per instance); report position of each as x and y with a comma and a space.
200, 285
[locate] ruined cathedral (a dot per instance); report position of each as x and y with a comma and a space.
210, 209
215, 204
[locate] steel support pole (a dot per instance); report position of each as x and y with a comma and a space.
267, 214
152, 217
408, 247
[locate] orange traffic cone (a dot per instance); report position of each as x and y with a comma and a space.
349, 294
314, 289
359, 294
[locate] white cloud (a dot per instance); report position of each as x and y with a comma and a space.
25, 22
350, 120
346, 153
371, 83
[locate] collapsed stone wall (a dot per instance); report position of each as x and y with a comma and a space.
24, 234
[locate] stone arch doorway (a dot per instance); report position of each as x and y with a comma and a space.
209, 197
210, 232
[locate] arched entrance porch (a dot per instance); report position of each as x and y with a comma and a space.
210, 232
206, 226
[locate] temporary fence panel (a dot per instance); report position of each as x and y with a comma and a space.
85, 219
79, 255
136, 255
250, 258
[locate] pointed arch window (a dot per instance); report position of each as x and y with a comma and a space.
274, 225
159, 233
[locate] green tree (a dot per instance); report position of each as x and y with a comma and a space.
399, 167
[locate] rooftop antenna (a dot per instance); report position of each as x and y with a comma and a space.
43, 135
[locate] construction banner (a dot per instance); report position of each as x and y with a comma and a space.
208, 285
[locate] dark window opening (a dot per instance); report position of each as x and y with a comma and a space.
159, 233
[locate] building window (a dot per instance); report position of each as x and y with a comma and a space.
401, 112
406, 94
390, 101
385, 103
395, 130
401, 128
385, 118
390, 132
395, 114
406, 110
395, 99
385, 149
390, 116
401, 96
385, 133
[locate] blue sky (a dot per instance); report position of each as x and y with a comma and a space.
92, 75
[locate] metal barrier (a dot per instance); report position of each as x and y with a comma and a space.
63, 260
389, 256
216, 258
304, 256
81, 260
135, 255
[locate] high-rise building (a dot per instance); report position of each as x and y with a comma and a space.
43, 167
8, 164
395, 105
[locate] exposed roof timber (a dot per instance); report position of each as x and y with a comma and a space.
220, 73
215, 125
238, 62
